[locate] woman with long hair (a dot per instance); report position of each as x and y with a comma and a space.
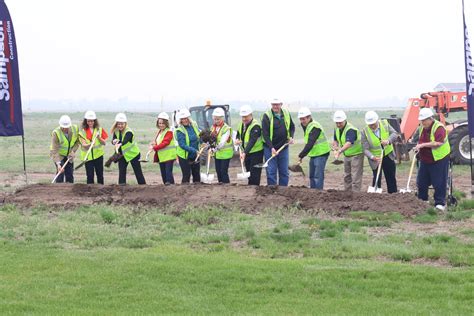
92, 135
164, 147
127, 147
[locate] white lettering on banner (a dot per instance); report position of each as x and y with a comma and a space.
4, 86
469, 64
10, 39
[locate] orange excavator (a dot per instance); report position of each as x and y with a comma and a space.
443, 103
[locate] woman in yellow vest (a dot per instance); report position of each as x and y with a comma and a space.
94, 157
433, 152
249, 136
187, 137
224, 149
165, 149
125, 143
63, 147
316, 147
376, 135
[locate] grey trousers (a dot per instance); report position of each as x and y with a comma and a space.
353, 170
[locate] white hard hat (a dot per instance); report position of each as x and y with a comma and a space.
425, 113
218, 112
371, 117
276, 101
121, 118
183, 113
339, 116
164, 116
245, 110
90, 115
65, 121
304, 112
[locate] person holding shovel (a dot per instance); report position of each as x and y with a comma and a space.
347, 141
164, 148
379, 135
64, 144
127, 147
224, 149
316, 147
187, 135
278, 130
433, 152
93, 135
249, 137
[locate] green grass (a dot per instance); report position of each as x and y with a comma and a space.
103, 259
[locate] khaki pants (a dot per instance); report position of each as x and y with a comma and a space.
353, 169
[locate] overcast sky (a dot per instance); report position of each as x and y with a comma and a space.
321, 50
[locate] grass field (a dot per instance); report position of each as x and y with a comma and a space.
102, 259
106, 260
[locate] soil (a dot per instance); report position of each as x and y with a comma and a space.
249, 199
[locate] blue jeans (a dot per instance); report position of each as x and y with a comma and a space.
316, 171
435, 174
278, 164
222, 170
166, 169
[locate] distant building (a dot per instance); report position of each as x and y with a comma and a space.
453, 87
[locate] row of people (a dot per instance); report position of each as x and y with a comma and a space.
258, 140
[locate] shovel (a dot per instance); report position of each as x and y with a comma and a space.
86, 159
376, 189
146, 157
337, 161
244, 174
195, 161
296, 168
407, 189
61, 170
206, 177
264, 165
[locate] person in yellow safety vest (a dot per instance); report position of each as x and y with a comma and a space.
249, 136
125, 143
347, 141
434, 154
316, 147
187, 136
165, 148
224, 149
64, 143
278, 129
94, 157
378, 135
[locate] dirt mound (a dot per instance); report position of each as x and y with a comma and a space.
248, 199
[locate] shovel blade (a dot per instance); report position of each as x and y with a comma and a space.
378, 190
407, 190
207, 178
243, 176
371, 189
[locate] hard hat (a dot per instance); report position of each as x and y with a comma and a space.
276, 101
218, 112
183, 113
304, 112
425, 113
245, 110
90, 115
65, 121
339, 116
121, 118
164, 116
371, 117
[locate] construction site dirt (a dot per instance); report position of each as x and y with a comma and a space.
247, 199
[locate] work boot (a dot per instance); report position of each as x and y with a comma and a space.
440, 207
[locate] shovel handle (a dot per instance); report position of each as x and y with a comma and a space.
208, 161
59, 172
379, 168
412, 167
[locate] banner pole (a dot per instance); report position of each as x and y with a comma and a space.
24, 158
472, 170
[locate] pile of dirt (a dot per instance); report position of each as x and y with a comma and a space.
249, 199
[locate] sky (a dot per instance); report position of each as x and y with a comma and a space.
343, 51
